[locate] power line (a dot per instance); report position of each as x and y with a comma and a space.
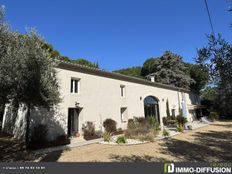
210, 21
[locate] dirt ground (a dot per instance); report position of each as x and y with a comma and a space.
210, 143
206, 144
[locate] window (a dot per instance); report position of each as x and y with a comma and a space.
173, 112
151, 107
75, 85
122, 88
124, 115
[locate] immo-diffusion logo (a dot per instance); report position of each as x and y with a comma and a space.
169, 168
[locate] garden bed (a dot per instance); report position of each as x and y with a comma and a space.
113, 141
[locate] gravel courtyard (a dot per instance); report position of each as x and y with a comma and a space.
209, 143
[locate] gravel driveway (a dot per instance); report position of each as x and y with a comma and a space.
206, 144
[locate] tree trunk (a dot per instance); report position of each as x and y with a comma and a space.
2, 110
28, 119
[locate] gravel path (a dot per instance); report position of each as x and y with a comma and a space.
209, 143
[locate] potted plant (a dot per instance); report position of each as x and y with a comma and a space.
181, 121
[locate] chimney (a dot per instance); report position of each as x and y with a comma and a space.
152, 78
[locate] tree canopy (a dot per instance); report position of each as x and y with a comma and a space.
170, 69
85, 62
199, 74
217, 57
133, 71
54, 54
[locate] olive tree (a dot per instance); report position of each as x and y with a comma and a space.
27, 74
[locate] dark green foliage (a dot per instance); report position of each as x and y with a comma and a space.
148, 66
133, 71
213, 116
56, 55
168, 69
181, 120
39, 137
49, 48
110, 125
210, 98
85, 63
121, 140
216, 56
199, 74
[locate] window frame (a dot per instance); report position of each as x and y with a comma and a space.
75, 85
123, 91
123, 114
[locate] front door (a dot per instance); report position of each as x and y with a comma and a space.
73, 117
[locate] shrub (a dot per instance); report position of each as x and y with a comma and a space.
181, 120
179, 129
147, 137
130, 124
169, 120
165, 121
107, 136
130, 133
119, 131
121, 140
153, 123
89, 131
140, 120
39, 137
110, 125
165, 133
142, 129
142, 125
172, 118
213, 116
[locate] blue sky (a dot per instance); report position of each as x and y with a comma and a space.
121, 33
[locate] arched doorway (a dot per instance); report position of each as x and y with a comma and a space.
151, 107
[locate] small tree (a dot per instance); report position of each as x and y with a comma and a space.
27, 75
167, 109
36, 83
